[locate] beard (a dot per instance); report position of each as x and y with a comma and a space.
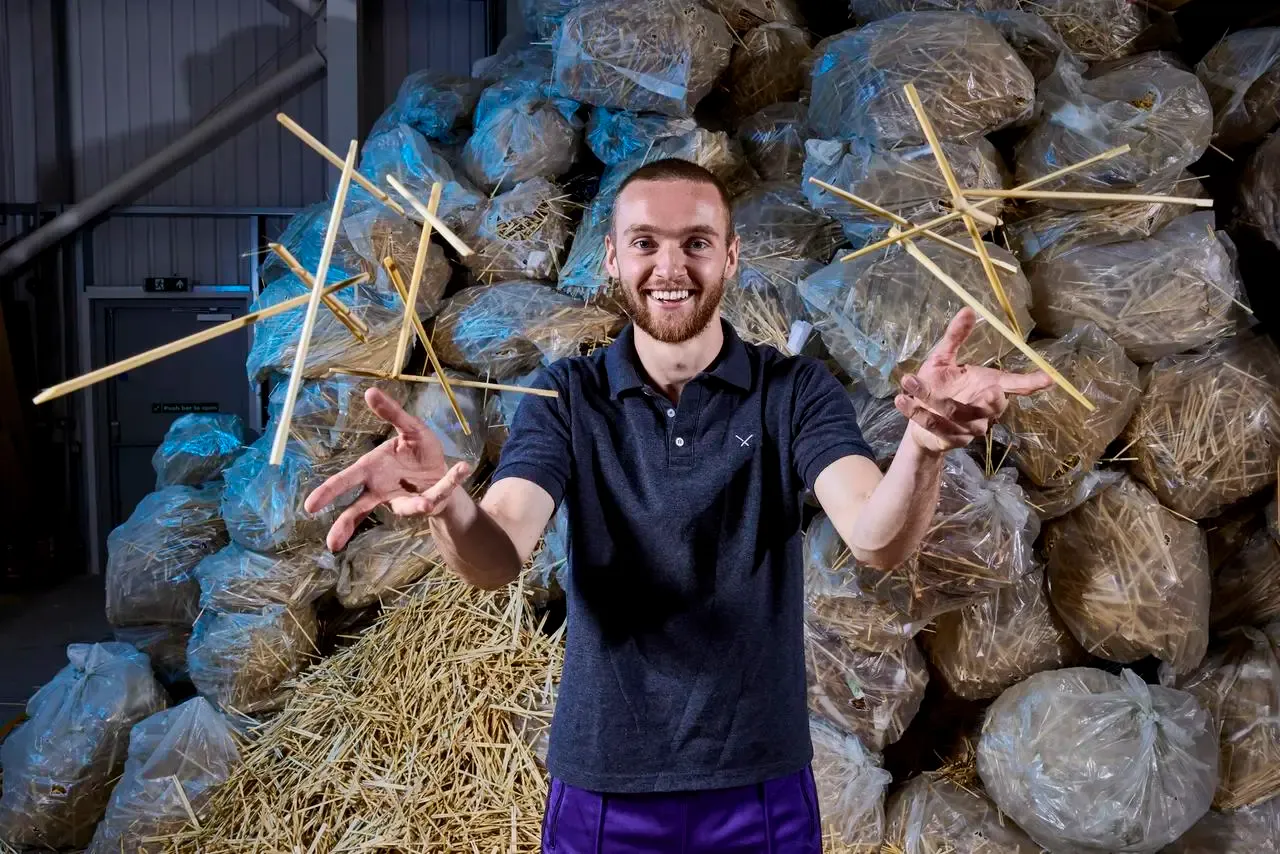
680, 328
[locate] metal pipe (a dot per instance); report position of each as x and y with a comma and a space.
210, 132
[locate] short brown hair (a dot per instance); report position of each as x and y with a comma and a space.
675, 169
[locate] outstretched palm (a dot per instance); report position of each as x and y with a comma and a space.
408, 472
950, 404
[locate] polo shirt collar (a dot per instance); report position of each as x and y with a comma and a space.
622, 365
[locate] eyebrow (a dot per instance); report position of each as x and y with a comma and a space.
692, 230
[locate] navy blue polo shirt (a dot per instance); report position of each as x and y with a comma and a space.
684, 652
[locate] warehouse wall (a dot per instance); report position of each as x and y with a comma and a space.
140, 72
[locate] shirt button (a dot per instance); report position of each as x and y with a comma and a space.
679, 442
671, 413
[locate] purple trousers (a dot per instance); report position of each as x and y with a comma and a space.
776, 817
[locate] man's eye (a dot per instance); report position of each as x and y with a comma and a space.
699, 245
643, 243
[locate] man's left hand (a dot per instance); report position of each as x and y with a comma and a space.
949, 404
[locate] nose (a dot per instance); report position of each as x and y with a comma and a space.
669, 263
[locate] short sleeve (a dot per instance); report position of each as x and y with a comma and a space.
538, 444
824, 424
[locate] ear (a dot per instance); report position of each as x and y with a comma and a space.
731, 259
611, 257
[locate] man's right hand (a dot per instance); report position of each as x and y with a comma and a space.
407, 472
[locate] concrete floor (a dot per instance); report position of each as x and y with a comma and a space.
35, 629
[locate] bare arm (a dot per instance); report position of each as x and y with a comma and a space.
883, 519
486, 544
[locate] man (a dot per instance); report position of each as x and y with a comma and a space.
682, 453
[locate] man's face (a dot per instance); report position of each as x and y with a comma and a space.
671, 249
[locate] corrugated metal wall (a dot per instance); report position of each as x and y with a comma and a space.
140, 72
448, 35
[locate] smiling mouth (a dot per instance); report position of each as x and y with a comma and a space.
670, 297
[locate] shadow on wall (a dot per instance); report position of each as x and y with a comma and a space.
262, 165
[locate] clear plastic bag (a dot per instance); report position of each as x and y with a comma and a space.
238, 580
403, 152
663, 56
1131, 579
1239, 684
715, 151
1252, 830
879, 422
851, 786
166, 646
932, 814
872, 695
505, 329
436, 104
430, 404
150, 556
383, 561
970, 81
304, 238
1168, 294
998, 641
378, 233
836, 600
549, 571
1242, 76
981, 537
745, 16
1246, 589
1094, 29
330, 416
880, 315
583, 275
782, 241
529, 137
239, 661
332, 345
1042, 234
262, 503
1038, 45
190, 747
1207, 428
1057, 501
766, 67
516, 59
60, 764
774, 140
522, 234
615, 136
1055, 440
904, 180
500, 410
1086, 761
529, 76
1260, 191
542, 17
1156, 108
196, 449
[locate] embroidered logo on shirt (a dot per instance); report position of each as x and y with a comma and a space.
745, 442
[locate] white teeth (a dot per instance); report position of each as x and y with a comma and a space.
669, 296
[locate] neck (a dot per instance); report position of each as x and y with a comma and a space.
671, 366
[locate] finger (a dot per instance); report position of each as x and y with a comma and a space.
393, 413
325, 494
937, 423
408, 505
346, 523
1024, 383
958, 331
452, 479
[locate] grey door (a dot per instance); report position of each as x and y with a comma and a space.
136, 408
